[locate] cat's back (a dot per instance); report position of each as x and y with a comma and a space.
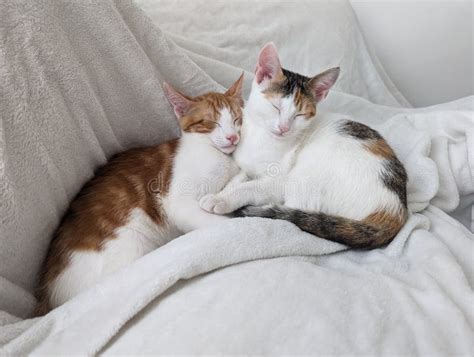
352, 169
335, 137
122, 191
339, 144
129, 180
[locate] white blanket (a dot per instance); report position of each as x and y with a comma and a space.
412, 297
260, 286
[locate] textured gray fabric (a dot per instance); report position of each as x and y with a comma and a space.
79, 81
225, 36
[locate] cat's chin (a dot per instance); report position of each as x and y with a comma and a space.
227, 149
279, 136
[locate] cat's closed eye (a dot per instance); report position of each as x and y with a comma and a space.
274, 106
211, 122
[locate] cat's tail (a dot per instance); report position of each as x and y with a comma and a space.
377, 230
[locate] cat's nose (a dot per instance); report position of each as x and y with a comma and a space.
232, 138
283, 128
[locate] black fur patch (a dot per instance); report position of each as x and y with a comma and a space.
395, 178
359, 131
292, 82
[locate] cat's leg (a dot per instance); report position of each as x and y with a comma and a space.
188, 216
257, 192
237, 179
234, 182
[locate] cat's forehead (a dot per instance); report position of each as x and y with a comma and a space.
293, 82
208, 111
293, 91
288, 84
217, 103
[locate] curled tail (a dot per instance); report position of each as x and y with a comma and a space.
376, 230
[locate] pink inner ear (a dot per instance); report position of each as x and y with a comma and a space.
179, 109
322, 83
261, 73
268, 63
321, 91
179, 103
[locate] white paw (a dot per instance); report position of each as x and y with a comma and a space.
222, 207
208, 202
215, 204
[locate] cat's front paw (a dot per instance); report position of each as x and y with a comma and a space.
222, 207
208, 202
215, 204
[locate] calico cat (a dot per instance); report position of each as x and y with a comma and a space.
332, 177
143, 198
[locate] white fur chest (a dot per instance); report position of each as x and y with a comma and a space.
258, 154
199, 168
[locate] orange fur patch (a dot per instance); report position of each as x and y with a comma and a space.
104, 203
204, 114
380, 147
304, 105
388, 222
273, 91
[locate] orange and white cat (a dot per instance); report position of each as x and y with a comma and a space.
143, 198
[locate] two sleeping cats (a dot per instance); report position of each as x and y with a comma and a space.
332, 177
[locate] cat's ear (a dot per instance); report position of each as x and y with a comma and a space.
178, 101
268, 64
236, 89
322, 83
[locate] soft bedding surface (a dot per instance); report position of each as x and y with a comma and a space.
285, 291
224, 36
248, 285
